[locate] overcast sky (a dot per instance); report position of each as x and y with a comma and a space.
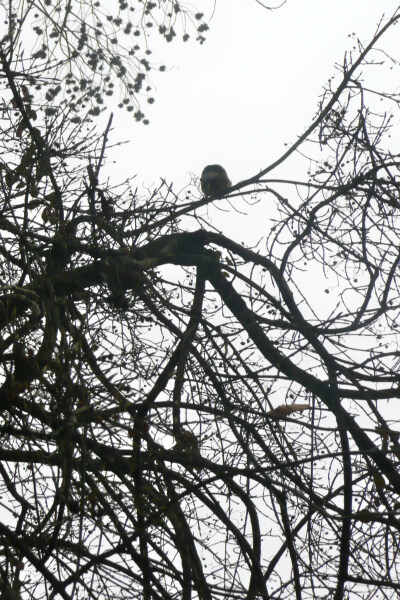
237, 99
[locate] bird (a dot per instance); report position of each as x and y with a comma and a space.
187, 442
214, 180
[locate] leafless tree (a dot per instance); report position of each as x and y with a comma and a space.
181, 415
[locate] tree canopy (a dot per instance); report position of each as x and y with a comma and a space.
183, 415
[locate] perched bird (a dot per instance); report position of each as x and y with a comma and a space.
186, 441
214, 180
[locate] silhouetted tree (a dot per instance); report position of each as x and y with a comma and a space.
182, 415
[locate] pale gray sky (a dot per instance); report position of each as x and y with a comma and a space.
253, 86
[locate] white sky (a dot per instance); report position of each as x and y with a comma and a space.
236, 100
